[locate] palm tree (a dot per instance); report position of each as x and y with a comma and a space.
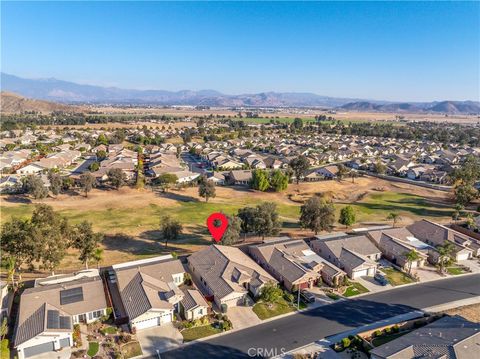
411, 257
444, 255
98, 256
11, 272
395, 217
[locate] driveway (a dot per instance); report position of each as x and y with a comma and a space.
427, 273
372, 285
65, 353
161, 338
242, 317
473, 264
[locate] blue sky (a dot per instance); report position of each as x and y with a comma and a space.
403, 51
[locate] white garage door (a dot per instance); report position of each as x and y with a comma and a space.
360, 273
462, 256
153, 322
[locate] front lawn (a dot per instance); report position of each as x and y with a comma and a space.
92, 349
199, 332
355, 289
109, 330
265, 310
131, 350
376, 342
395, 277
455, 270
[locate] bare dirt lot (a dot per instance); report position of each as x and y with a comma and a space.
469, 312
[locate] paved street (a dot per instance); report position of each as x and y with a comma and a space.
300, 329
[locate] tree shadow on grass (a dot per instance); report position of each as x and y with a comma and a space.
17, 199
179, 197
136, 245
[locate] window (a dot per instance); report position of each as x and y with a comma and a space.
200, 311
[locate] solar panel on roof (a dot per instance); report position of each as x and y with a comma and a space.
72, 295
53, 319
65, 322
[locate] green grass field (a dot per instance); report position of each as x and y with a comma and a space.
92, 349
269, 310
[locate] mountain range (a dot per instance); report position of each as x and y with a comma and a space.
69, 92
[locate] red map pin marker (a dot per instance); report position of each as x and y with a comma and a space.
217, 232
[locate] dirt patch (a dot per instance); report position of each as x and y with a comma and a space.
469, 312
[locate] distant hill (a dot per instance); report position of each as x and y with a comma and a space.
448, 107
15, 104
69, 92
63, 91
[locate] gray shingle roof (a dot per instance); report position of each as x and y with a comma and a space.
448, 337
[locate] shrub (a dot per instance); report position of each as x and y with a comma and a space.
346, 343
218, 316
388, 330
395, 328
79, 353
224, 308
377, 333
5, 350
125, 338
289, 297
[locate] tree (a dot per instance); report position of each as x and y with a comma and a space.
300, 166
444, 255
98, 256
342, 172
353, 175
34, 186
317, 214
17, 243
166, 180
456, 215
116, 177
465, 193
380, 168
347, 216
206, 189
170, 229
260, 180
232, 233
278, 181
266, 221
94, 166
101, 155
297, 123
86, 241
411, 257
56, 183
87, 181
394, 217
247, 217
51, 234
271, 293
102, 140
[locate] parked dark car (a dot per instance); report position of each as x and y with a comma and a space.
380, 278
307, 296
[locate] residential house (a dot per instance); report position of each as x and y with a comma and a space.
148, 290
294, 264
395, 243
227, 275
437, 235
328, 172
447, 337
356, 255
48, 311
239, 177
193, 305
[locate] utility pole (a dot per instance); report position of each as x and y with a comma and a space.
298, 299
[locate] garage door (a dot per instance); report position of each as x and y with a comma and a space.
234, 302
153, 322
65, 342
38, 349
462, 256
360, 273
